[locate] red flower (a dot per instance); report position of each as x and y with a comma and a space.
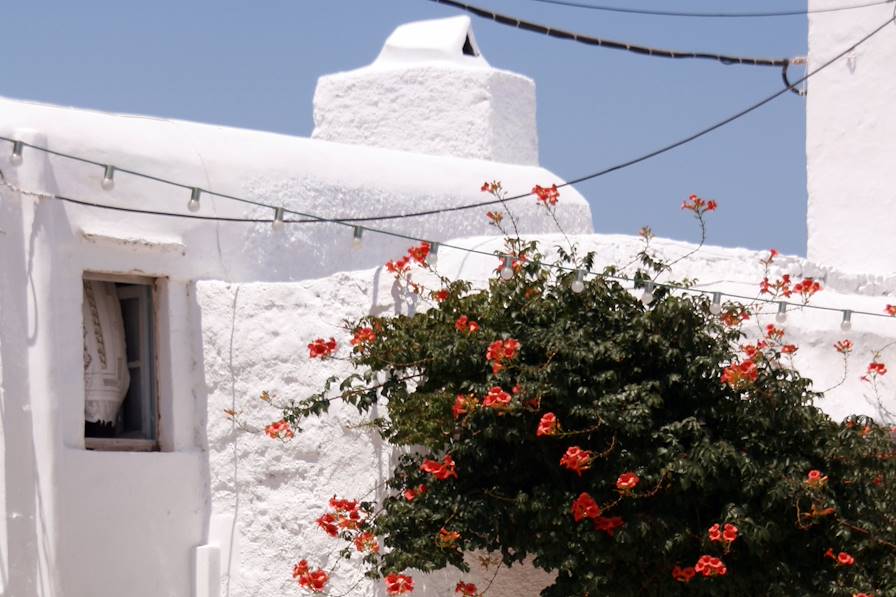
684, 575
576, 459
420, 252
366, 542
440, 295
279, 430
463, 404
789, 349
491, 187
465, 325
494, 217
447, 539
465, 589
411, 493
844, 559
734, 316
738, 375
710, 566
548, 425
875, 368
321, 349
397, 584
698, 205
862, 595
398, 267
584, 507
627, 481
328, 523
608, 525
440, 470
496, 398
728, 535
779, 287
501, 351
546, 195
313, 580
890, 310
773, 333
816, 479
843, 346
363, 336
807, 288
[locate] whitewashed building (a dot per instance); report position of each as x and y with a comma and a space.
173, 500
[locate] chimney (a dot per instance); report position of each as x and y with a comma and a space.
431, 91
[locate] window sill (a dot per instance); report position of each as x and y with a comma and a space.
113, 444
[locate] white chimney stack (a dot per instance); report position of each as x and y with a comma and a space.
431, 91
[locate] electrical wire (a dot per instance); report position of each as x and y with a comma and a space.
712, 15
607, 43
353, 221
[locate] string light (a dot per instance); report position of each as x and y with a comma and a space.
108, 178
846, 324
716, 307
578, 285
193, 205
647, 297
433, 253
277, 224
507, 270
15, 158
357, 233
781, 317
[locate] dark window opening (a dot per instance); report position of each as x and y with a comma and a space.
120, 363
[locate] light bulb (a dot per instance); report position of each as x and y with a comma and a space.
433, 253
507, 270
846, 324
716, 307
15, 158
277, 224
578, 285
781, 317
108, 178
193, 205
357, 233
647, 297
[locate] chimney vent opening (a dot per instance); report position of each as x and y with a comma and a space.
469, 50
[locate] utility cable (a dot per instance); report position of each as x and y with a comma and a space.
353, 221
607, 43
712, 15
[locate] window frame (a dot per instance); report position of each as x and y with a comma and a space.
124, 444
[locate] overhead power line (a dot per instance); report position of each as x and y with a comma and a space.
590, 40
712, 15
110, 170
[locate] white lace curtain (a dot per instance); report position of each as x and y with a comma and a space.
106, 374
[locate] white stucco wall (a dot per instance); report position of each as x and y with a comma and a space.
850, 129
255, 337
92, 524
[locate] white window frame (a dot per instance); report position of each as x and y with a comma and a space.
149, 362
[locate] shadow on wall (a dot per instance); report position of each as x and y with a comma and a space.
25, 559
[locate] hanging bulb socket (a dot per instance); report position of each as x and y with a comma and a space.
357, 233
781, 317
277, 223
108, 178
846, 323
15, 158
433, 253
193, 205
578, 285
647, 297
507, 270
716, 307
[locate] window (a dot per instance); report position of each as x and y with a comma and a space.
120, 362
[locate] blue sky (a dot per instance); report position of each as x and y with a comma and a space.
255, 64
